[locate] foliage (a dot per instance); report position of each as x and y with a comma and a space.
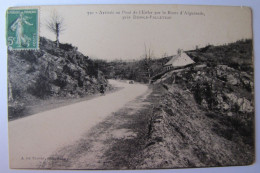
235, 55
139, 70
197, 94
41, 88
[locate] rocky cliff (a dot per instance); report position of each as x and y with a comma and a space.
49, 72
206, 114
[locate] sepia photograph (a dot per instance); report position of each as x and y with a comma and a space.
130, 87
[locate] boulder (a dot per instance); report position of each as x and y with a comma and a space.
232, 79
204, 104
55, 89
245, 105
52, 75
222, 105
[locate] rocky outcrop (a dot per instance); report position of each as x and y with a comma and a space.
181, 134
50, 72
219, 88
206, 116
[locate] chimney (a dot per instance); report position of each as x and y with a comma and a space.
180, 51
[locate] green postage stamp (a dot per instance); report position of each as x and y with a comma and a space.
22, 29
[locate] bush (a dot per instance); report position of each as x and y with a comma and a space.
66, 47
197, 94
29, 56
16, 93
60, 81
42, 87
16, 110
31, 69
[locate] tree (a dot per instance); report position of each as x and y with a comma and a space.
147, 58
56, 25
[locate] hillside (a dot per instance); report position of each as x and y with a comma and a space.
181, 134
237, 55
49, 73
209, 110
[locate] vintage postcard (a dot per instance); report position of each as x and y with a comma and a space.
110, 87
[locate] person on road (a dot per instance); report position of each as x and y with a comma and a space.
102, 89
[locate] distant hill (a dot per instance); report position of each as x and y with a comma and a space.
237, 55
49, 72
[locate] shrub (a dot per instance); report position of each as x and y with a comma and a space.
60, 81
16, 110
66, 47
197, 94
16, 93
31, 69
41, 88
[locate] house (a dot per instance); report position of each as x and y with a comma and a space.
178, 61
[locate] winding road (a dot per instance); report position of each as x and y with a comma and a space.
34, 138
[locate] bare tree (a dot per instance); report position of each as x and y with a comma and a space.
148, 56
56, 25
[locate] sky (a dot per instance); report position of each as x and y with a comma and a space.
110, 36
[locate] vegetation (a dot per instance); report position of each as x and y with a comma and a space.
51, 72
221, 82
139, 70
236, 55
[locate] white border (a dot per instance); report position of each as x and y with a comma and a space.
255, 5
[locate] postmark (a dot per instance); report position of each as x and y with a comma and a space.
22, 29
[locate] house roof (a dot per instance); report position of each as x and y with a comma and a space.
180, 60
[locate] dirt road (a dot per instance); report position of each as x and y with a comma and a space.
33, 139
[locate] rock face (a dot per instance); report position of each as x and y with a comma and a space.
181, 134
219, 88
222, 79
206, 116
50, 72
